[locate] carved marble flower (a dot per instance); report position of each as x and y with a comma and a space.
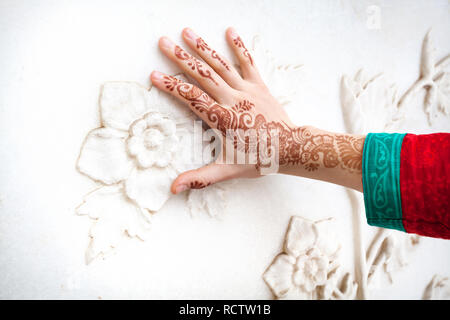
152, 140
310, 270
145, 141
307, 267
142, 143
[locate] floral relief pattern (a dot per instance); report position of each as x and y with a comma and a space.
434, 79
308, 268
371, 104
115, 217
152, 140
142, 145
145, 135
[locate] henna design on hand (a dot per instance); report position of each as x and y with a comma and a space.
296, 145
312, 166
198, 184
198, 99
171, 82
193, 63
240, 44
201, 44
243, 106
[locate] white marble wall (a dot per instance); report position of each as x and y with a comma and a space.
54, 56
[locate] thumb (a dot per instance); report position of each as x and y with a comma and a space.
207, 175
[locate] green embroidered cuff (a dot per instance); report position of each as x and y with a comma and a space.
381, 180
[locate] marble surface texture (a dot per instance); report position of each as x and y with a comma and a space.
54, 57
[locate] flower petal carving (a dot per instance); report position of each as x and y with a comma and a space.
329, 245
279, 275
300, 236
121, 103
142, 145
150, 188
153, 140
103, 156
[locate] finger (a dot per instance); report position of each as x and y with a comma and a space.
208, 175
219, 63
198, 100
198, 70
246, 62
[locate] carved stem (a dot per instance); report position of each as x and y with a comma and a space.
419, 84
360, 265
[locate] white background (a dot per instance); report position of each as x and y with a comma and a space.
54, 55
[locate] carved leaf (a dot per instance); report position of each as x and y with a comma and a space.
437, 289
210, 200
115, 217
368, 104
308, 267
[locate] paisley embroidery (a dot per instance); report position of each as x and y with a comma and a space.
381, 175
379, 192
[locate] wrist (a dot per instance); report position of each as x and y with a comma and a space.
300, 147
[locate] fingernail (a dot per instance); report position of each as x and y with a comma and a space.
233, 33
190, 34
181, 188
165, 43
156, 75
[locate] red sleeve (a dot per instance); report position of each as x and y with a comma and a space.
424, 184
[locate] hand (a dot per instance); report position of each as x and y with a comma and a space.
239, 100
230, 94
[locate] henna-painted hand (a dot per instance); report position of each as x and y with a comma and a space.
234, 100
230, 94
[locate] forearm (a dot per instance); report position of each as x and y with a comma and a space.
318, 154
